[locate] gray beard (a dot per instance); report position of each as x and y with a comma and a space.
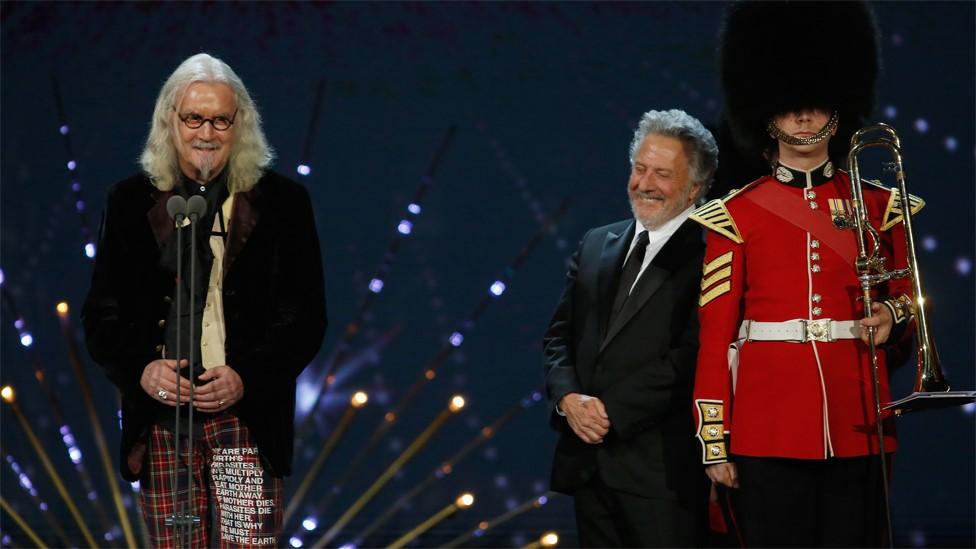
205, 167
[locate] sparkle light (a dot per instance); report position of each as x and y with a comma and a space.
1, 277
542, 500
413, 208
80, 205
63, 129
890, 112
75, 186
19, 324
964, 266
7, 393
969, 408
549, 539
921, 125
358, 400
929, 243
376, 285
405, 227
303, 169
295, 541
26, 339
72, 165
310, 524
456, 339
75, 454
62, 308
457, 403
951, 144
90, 250
497, 288
465, 500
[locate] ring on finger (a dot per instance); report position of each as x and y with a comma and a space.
162, 394
220, 403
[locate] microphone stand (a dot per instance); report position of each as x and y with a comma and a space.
183, 520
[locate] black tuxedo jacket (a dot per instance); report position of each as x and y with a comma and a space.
641, 367
274, 305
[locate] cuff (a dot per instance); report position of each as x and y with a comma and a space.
711, 433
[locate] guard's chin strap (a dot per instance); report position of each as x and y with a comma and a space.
778, 134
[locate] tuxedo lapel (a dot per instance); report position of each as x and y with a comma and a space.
611, 262
675, 251
243, 218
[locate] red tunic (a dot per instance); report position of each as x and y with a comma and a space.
773, 254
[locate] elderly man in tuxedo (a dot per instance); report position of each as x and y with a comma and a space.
620, 352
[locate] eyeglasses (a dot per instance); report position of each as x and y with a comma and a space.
219, 123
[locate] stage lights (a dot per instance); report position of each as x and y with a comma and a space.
359, 399
497, 288
456, 339
376, 285
405, 227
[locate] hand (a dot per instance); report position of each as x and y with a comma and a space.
724, 474
159, 380
587, 417
881, 321
225, 389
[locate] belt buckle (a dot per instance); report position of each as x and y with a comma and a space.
817, 330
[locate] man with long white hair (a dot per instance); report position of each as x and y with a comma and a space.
259, 314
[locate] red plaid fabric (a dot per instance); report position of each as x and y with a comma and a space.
238, 503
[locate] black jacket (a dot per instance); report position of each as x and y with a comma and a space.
642, 369
274, 305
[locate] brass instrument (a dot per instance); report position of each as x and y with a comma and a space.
871, 271
931, 389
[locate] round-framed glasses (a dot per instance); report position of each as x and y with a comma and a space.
220, 122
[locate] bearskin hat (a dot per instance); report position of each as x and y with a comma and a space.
783, 56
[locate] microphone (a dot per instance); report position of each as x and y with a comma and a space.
196, 207
176, 208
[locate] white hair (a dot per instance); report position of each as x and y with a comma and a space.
698, 141
250, 153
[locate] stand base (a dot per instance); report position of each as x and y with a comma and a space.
917, 402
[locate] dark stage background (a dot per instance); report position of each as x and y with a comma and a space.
544, 98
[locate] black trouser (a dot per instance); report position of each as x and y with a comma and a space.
838, 502
610, 518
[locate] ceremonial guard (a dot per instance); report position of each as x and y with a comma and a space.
783, 393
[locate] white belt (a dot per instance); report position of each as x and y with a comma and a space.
800, 331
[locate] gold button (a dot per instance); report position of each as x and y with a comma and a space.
159, 348
816, 298
162, 323
206, 324
817, 311
811, 194
815, 268
814, 243
815, 256
204, 344
813, 205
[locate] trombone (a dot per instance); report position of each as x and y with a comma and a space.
931, 389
